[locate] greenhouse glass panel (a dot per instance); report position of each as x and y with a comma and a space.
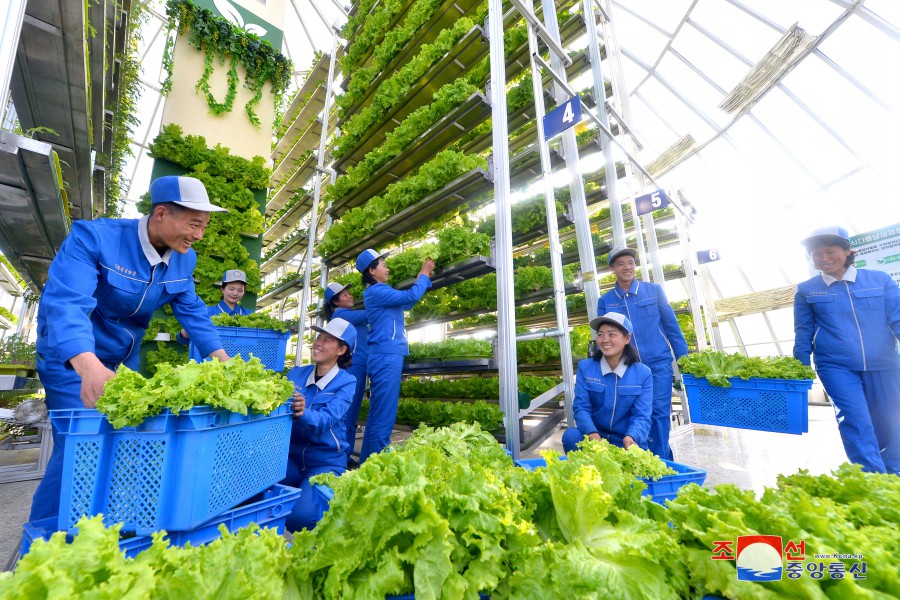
743, 33
753, 329
713, 60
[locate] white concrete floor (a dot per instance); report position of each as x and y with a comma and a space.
745, 458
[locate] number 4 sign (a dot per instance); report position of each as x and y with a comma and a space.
652, 201
562, 117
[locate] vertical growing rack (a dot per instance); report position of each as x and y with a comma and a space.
440, 121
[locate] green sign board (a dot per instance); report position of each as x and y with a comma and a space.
879, 250
244, 19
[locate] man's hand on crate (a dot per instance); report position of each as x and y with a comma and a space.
298, 405
627, 442
93, 377
594, 436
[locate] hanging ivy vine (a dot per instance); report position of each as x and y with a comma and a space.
219, 40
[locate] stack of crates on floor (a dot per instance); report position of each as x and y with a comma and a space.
267, 345
185, 474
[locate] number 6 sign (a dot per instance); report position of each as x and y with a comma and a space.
562, 117
707, 256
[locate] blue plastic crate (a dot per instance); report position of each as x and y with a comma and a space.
172, 472
270, 512
664, 488
267, 345
778, 405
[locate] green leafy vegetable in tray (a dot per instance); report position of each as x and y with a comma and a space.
717, 367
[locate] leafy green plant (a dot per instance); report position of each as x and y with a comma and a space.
452, 348
168, 324
172, 354
5, 313
218, 39
16, 350
251, 321
717, 367
392, 90
280, 282
472, 388
432, 176
227, 179
435, 413
129, 397
13, 271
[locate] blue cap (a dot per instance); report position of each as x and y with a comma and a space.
367, 258
620, 251
340, 329
613, 318
333, 289
188, 192
828, 236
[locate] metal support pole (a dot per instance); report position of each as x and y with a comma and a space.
620, 91
556, 267
562, 93
691, 278
506, 309
712, 318
615, 207
317, 192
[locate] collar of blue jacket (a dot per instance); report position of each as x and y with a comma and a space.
632, 289
324, 381
619, 370
849, 275
150, 252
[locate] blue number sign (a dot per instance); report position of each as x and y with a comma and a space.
652, 201
707, 256
562, 117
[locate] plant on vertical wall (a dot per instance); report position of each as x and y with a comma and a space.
229, 180
220, 40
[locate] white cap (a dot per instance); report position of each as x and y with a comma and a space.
188, 192
613, 318
234, 275
333, 289
340, 329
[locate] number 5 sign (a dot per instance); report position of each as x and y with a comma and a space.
562, 117
652, 201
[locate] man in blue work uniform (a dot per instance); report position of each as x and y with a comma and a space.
108, 278
849, 320
657, 338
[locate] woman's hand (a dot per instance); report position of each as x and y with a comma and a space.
298, 404
628, 442
427, 267
594, 436
184, 334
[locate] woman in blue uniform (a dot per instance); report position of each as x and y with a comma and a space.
849, 320
613, 391
322, 394
657, 337
385, 307
339, 305
234, 285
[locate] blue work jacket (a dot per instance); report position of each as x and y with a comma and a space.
318, 435
360, 321
616, 402
104, 285
222, 309
385, 307
853, 323
657, 336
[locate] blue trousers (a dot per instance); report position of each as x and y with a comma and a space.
358, 371
305, 513
867, 407
572, 436
63, 389
661, 418
385, 371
